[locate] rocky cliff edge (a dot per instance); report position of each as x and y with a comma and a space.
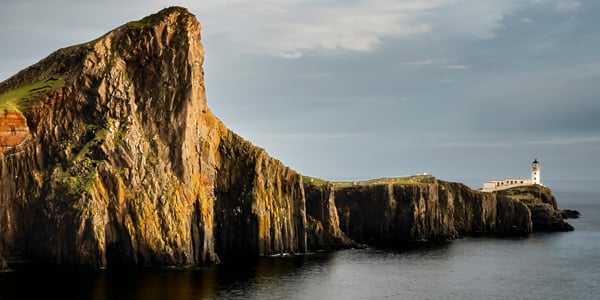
110, 156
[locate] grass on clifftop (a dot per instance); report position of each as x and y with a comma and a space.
416, 179
315, 181
153, 19
23, 97
520, 193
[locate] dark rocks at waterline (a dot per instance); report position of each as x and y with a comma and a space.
569, 213
547, 219
543, 207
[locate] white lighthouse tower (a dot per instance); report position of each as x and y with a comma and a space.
535, 172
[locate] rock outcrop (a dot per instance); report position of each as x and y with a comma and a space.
260, 207
323, 223
13, 130
123, 161
109, 155
423, 208
545, 214
569, 213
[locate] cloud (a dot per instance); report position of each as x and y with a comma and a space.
310, 136
290, 29
566, 140
424, 62
291, 55
459, 142
315, 75
437, 62
456, 67
566, 6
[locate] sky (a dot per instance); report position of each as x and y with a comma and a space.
347, 90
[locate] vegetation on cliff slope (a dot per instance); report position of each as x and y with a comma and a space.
23, 97
125, 163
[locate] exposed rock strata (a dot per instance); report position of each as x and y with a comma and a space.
125, 161
541, 202
425, 209
323, 230
13, 130
260, 208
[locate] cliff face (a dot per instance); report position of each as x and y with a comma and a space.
260, 208
323, 223
541, 202
424, 209
111, 156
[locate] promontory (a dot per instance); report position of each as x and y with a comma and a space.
109, 156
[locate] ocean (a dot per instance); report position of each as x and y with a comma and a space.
562, 265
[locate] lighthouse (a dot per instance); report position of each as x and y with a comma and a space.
535, 172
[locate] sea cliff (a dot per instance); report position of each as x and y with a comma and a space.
541, 202
110, 156
423, 208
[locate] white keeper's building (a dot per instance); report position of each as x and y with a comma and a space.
495, 185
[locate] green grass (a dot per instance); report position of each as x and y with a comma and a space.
315, 181
24, 96
99, 138
138, 23
416, 179
151, 20
522, 193
72, 186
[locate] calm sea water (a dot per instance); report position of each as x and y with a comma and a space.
541, 266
